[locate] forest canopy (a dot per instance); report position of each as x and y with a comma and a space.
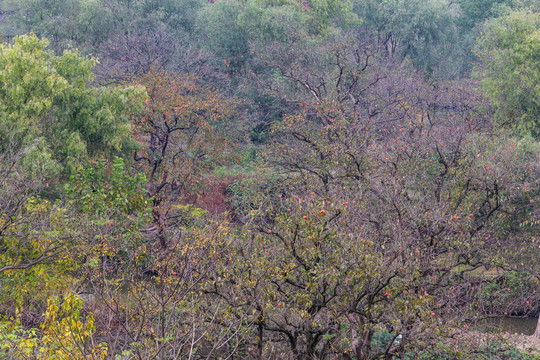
281, 179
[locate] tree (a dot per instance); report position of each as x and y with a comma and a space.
383, 173
224, 37
69, 24
34, 237
46, 100
326, 15
509, 48
148, 300
151, 36
89, 25
476, 12
153, 48
422, 31
186, 129
27, 242
66, 334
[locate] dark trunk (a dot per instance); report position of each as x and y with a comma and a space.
260, 342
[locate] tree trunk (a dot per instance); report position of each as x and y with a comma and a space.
537, 332
260, 343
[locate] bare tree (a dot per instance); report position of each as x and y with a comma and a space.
137, 52
391, 174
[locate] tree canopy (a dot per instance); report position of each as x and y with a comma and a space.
510, 50
49, 109
281, 179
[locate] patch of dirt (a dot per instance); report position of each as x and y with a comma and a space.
525, 343
530, 344
214, 196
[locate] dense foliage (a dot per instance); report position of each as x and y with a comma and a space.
283, 179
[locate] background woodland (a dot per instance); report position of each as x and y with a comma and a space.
279, 179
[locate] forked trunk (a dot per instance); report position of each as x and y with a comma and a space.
537, 332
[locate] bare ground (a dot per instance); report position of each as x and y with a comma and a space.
525, 343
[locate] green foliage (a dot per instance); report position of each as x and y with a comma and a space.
381, 341
101, 190
27, 90
224, 36
45, 100
475, 12
112, 207
67, 24
235, 31
423, 31
265, 24
88, 25
509, 69
511, 287
178, 16
328, 14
